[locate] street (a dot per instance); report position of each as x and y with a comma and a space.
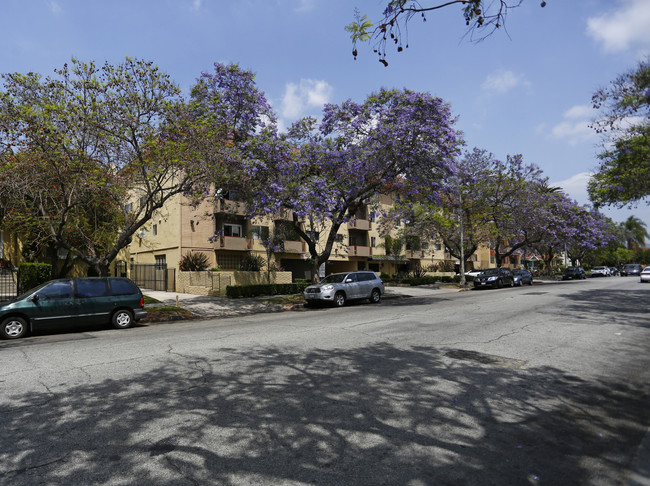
544, 385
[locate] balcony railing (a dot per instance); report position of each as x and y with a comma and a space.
417, 254
362, 251
236, 243
294, 246
230, 207
361, 224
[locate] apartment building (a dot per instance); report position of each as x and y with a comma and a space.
222, 231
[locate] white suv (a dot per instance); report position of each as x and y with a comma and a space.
338, 288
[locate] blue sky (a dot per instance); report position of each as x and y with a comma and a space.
526, 92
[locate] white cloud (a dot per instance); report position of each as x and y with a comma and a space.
575, 126
503, 81
196, 5
54, 7
575, 186
299, 98
628, 26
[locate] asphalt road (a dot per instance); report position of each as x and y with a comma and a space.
536, 385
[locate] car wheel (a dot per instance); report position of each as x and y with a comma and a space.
530, 282
375, 296
339, 299
13, 328
499, 284
122, 319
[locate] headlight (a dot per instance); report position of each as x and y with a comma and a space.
327, 288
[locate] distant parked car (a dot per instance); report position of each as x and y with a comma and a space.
473, 273
613, 271
574, 273
494, 277
645, 275
72, 302
522, 277
600, 272
631, 269
338, 288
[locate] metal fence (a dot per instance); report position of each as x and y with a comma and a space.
153, 276
8, 284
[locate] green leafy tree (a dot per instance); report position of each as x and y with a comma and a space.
481, 18
623, 176
90, 154
635, 232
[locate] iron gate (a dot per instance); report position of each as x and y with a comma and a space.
8, 284
153, 276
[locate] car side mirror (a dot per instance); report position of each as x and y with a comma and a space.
35, 298
348, 280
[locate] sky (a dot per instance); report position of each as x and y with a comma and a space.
525, 91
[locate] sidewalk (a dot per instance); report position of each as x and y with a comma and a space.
221, 307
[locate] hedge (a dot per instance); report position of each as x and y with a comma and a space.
33, 274
235, 291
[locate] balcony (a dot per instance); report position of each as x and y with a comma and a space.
230, 207
360, 251
294, 246
236, 243
360, 224
415, 254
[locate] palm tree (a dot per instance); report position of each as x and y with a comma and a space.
636, 232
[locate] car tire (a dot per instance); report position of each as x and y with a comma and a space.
499, 284
13, 328
375, 296
339, 299
531, 282
122, 319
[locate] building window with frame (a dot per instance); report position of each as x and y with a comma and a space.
232, 230
260, 232
373, 241
155, 230
161, 262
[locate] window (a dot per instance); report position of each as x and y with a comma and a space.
128, 208
437, 246
313, 235
373, 241
425, 245
161, 262
338, 238
155, 229
91, 288
123, 287
56, 290
260, 232
232, 229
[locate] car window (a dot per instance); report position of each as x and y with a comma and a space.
352, 277
334, 278
123, 287
56, 290
366, 276
86, 288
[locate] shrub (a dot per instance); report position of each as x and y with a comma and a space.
193, 262
32, 275
252, 263
235, 291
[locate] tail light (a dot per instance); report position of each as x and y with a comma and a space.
142, 301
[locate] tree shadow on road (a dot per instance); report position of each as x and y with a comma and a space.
367, 416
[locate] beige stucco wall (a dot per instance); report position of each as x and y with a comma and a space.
208, 283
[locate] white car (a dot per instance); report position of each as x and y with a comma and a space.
645, 274
600, 272
473, 273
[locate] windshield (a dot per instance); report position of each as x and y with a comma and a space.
24, 295
491, 271
334, 278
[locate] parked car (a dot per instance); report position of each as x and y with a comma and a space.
494, 277
613, 271
631, 269
644, 276
600, 272
522, 277
72, 302
473, 273
574, 273
338, 288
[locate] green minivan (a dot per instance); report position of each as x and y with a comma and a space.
71, 302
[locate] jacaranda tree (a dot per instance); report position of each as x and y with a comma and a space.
481, 17
396, 141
